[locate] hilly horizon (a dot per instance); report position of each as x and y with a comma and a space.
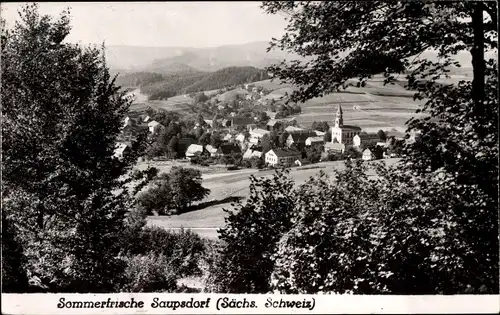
172, 60
162, 59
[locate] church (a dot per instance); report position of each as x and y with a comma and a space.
343, 133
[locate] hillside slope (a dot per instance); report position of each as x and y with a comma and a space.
160, 86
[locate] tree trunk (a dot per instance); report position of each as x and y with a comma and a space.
478, 64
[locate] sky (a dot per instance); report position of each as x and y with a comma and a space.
161, 24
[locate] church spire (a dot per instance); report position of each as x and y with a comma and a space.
339, 119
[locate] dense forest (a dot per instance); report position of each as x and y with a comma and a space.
160, 86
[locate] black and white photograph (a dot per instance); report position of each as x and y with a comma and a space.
254, 147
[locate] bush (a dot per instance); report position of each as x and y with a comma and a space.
149, 273
251, 234
182, 249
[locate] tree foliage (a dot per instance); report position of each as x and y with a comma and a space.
173, 191
250, 236
429, 225
62, 187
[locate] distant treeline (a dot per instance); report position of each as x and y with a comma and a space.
161, 86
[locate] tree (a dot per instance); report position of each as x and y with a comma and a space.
204, 139
200, 97
263, 117
382, 136
313, 153
328, 136
172, 147
173, 191
256, 162
282, 139
158, 197
265, 141
456, 147
321, 126
244, 262
215, 140
200, 121
62, 188
186, 187
14, 278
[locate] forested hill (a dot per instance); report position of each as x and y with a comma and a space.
160, 86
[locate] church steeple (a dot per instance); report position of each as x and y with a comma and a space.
339, 120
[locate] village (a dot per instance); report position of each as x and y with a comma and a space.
253, 132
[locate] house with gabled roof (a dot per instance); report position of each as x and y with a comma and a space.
313, 141
194, 150
368, 155
285, 157
299, 139
227, 149
365, 139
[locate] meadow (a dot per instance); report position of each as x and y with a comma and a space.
206, 221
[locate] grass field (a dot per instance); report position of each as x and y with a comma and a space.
206, 221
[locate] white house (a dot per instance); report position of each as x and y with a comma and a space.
121, 149
334, 147
282, 157
315, 141
292, 129
257, 134
319, 133
365, 139
194, 150
250, 153
210, 149
368, 155
227, 137
240, 138
153, 126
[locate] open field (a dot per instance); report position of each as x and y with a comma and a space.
206, 221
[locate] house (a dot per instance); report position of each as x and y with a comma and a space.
252, 152
154, 126
334, 147
292, 129
364, 139
146, 118
319, 133
273, 125
257, 134
225, 123
227, 137
315, 141
194, 150
284, 157
122, 149
227, 149
235, 122
271, 115
240, 138
298, 139
368, 155
209, 123
301, 162
248, 86
211, 150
